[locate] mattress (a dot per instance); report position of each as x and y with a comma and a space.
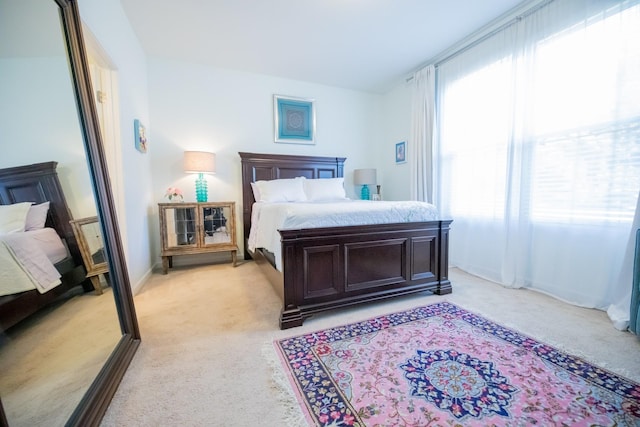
268, 218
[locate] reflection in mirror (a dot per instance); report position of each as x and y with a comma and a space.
215, 225
53, 343
89, 236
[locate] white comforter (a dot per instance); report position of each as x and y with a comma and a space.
268, 218
24, 266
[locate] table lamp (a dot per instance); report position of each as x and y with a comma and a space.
364, 177
200, 162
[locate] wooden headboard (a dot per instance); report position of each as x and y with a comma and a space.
265, 167
39, 183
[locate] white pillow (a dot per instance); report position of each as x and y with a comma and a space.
281, 190
256, 191
36, 216
324, 189
13, 217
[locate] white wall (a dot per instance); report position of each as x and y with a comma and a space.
197, 107
109, 25
395, 123
39, 123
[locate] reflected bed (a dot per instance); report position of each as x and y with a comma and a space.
38, 183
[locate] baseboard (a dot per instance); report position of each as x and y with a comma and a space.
136, 288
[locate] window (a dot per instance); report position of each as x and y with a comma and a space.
586, 122
476, 131
538, 150
554, 128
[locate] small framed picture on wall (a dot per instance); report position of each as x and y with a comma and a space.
140, 134
401, 152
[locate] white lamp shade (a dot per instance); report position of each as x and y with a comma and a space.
364, 176
199, 162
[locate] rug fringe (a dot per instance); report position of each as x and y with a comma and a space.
285, 396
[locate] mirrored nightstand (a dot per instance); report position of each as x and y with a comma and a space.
195, 228
89, 236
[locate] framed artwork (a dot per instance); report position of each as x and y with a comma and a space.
401, 152
140, 136
294, 120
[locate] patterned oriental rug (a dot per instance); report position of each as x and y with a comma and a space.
442, 365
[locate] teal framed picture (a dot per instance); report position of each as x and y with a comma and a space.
294, 120
140, 134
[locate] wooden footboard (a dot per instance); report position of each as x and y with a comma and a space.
328, 268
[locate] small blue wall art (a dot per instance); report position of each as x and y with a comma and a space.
140, 136
401, 152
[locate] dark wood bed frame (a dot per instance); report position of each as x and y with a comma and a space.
39, 183
328, 268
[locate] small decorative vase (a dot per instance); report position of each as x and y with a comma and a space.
176, 198
377, 196
173, 195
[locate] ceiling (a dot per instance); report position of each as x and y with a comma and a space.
365, 45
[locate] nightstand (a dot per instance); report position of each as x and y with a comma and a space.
89, 238
196, 228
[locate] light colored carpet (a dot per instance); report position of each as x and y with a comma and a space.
48, 361
205, 357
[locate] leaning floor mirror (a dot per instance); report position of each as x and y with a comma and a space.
68, 332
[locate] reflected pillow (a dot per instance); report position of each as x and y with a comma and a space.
13, 217
324, 189
37, 216
281, 190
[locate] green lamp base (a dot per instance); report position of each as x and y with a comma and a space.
364, 194
201, 188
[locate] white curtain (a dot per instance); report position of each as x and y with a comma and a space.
421, 138
619, 310
539, 154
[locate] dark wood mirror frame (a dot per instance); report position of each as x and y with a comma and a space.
93, 405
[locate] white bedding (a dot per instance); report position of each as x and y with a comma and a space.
49, 242
26, 261
268, 218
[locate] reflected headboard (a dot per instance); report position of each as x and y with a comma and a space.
265, 167
39, 183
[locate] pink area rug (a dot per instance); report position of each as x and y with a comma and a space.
442, 365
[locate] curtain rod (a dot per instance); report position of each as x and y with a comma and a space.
501, 23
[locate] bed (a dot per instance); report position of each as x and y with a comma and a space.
332, 267
38, 183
